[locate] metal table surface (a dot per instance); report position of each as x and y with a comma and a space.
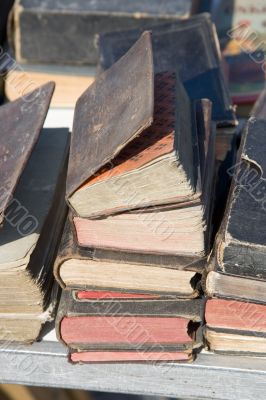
211, 376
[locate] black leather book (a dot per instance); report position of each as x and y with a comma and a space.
242, 250
238, 267
62, 32
189, 46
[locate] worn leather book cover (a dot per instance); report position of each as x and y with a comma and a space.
240, 245
175, 47
31, 234
161, 155
22, 121
97, 136
65, 31
235, 327
97, 179
100, 270
170, 325
166, 154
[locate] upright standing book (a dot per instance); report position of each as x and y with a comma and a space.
176, 46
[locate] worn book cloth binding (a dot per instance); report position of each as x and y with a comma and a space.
237, 268
169, 326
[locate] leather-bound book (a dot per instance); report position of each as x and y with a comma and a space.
151, 157
176, 46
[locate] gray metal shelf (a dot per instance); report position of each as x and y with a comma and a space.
210, 377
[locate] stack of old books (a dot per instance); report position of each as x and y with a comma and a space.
32, 214
139, 187
236, 311
176, 46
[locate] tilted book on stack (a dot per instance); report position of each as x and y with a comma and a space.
236, 274
32, 181
139, 186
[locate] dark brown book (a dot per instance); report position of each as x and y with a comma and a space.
22, 121
163, 151
183, 228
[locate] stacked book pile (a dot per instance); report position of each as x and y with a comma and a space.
140, 189
201, 79
32, 213
236, 311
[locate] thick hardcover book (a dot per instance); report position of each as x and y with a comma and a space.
31, 233
65, 31
22, 121
240, 244
168, 325
225, 286
114, 110
163, 152
236, 327
175, 48
100, 270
